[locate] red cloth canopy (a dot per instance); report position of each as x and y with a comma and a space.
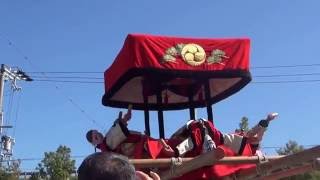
169, 73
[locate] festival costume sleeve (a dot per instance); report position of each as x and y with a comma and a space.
184, 147
116, 135
235, 142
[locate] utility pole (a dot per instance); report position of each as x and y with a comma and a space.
13, 75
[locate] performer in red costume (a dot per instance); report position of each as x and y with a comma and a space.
199, 136
196, 137
127, 142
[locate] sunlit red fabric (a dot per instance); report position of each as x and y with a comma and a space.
138, 70
220, 171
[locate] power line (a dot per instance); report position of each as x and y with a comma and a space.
256, 76
287, 75
64, 72
254, 82
58, 78
60, 81
278, 147
15, 123
286, 81
40, 158
284, 66
68, 77
25, 57
253, 67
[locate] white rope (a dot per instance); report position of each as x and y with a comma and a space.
175, 162
262, 159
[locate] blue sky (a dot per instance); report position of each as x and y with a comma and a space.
85, 36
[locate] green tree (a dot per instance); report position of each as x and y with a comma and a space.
244, 124
290, 148
10, 171
56, 165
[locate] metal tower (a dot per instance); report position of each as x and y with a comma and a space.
11, 75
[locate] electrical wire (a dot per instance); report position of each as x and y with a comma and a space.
253, 67
279, 147
286, 81
9, 110
25, 57
286, 75
39, 158
256, 76
254, 82
65, 72
67, 77
15, 123
61, 81
284, 66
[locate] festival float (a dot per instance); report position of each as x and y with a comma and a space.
160, 73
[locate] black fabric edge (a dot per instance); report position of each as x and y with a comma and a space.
165, 73
243, 145
176, 152
221, 138
124, 129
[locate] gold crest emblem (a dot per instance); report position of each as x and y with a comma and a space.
193, 54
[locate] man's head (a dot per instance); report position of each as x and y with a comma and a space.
105, 166
94, 137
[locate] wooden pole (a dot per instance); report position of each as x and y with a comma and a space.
167, 162
206, 159
285, 162
314, 165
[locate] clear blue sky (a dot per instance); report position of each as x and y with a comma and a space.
77, 35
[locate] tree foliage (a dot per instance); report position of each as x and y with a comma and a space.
56, 165
291, 147
244, 124
10, 171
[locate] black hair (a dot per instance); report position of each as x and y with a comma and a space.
105, 166
89, 135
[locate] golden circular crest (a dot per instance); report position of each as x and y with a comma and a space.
193, 54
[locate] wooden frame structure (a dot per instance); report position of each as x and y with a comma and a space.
160, 77
267, 167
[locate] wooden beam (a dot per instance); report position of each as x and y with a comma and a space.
167, 162
289, 172
285, 162
206, 159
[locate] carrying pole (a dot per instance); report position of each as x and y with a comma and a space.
285, 162
167, 162
312, 166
